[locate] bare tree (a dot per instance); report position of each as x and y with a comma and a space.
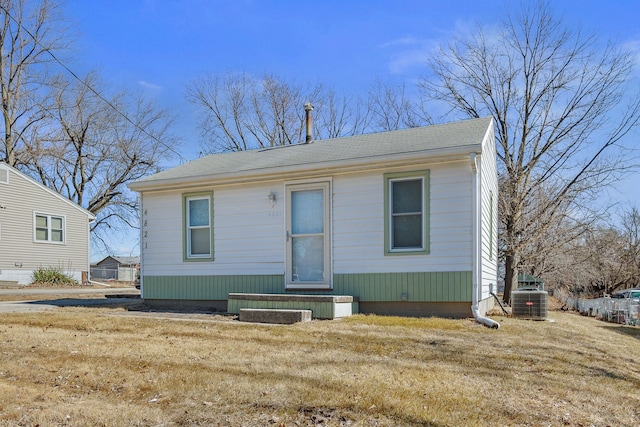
630, 230
95, 146
603, 258
392, 109
31, 31
557, 98
241, 112
338, 117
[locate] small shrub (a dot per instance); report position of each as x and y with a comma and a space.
51, 276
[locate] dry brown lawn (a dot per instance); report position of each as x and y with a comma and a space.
113, 367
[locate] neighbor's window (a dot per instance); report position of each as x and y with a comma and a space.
49, 228
198, 227
407, 212
4, 175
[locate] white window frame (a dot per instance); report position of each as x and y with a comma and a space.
4, 177
49, 228
188, 256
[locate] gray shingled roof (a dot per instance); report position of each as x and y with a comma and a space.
464, 135
127, 260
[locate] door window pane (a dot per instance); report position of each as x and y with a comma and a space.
308, 259
307, 212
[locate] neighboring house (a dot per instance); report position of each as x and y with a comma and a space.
121, 268
406, 221
39, 228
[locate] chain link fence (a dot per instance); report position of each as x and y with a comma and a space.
121, 274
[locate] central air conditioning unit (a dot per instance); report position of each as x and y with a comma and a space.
529, 304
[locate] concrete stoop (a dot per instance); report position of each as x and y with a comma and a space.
276, 316
321, 306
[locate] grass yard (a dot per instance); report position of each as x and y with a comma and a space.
101, 366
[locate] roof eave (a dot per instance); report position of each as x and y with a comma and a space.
311, 169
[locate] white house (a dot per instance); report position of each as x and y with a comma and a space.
39, 228
403, 221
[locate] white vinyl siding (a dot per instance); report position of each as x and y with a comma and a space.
250, 230
358, 224
489, 216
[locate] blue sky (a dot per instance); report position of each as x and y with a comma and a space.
161, 45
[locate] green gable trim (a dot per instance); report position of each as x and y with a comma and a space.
424, 174
380, 287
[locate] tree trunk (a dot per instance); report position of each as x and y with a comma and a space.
510, 277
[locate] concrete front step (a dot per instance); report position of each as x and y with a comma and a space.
322, 306
278, 316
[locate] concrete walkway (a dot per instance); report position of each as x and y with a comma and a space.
68, 291
103, 297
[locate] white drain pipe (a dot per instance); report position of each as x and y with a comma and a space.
477, 247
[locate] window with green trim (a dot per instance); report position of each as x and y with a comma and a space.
406, 212
198, 226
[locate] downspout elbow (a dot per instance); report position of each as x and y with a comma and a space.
490, 323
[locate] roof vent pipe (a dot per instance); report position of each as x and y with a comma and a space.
308, 107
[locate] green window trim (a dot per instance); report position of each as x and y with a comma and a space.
187, 228
389, 178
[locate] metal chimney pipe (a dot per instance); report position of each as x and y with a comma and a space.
308, 107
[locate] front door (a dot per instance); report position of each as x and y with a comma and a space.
308, 236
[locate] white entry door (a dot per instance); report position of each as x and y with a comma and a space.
308, 236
